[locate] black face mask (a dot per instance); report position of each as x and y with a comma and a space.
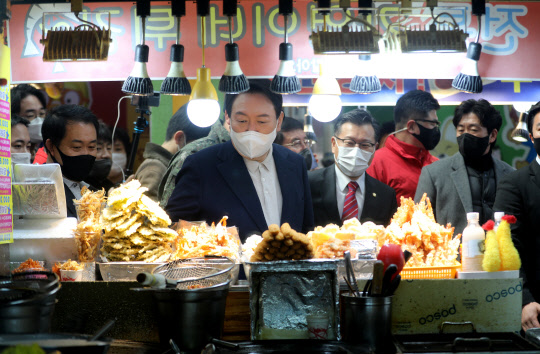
428, 137
75, 168
101, 169
471, 146
306, 154
537, 145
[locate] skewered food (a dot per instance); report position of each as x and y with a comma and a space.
282, 243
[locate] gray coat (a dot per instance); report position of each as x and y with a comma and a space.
446, 183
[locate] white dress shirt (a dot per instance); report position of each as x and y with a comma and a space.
342, 189
265, 179
75, 187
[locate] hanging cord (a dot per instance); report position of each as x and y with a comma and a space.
112, 137
178, 30
203, 39
479, 28
143, 29
285, 22
230, 30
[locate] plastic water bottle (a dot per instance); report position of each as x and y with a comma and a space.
473, 245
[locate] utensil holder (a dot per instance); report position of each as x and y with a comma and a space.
367, 320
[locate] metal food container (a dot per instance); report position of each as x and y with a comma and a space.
125, 271
283, 293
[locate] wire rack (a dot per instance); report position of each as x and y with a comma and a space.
196, 273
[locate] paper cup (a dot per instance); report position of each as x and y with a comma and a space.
317, 326
71, 275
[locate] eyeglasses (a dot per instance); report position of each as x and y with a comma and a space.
435, 122
367, 146
296, 144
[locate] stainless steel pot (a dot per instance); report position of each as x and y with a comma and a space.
190, 317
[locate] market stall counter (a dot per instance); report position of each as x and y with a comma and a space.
419, 307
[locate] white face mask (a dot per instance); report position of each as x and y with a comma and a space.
353, 162
119, 163
20, 158
34, 130
252, 144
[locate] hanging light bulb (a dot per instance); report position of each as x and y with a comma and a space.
285, 81
176, 82
325, 102
469, 80
138, 81
365, 81
203, 107
233, 79
520, 133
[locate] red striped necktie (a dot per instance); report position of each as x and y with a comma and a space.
350, 207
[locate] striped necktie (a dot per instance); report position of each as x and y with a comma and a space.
350, 208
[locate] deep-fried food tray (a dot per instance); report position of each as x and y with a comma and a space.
125, 271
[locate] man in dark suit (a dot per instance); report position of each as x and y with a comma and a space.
252, 181
467, 181
518, 194
344, 190
70, 136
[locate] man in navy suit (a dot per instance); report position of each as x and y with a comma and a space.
344, 190
252, 181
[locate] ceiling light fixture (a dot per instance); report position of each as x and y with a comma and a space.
469, 80
86, 41
233, 79
325, 102
176, 82
520, 134
203, 106
357, 36
138, 82
365, 81
285, 81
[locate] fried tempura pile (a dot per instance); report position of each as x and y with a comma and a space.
414, 228
136, 228
203, 240
88, 231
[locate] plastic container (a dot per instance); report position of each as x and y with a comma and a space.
473, 245
448, 272
367, 320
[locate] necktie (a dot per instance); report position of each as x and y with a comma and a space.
350, 208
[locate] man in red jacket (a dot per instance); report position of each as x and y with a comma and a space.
406, 151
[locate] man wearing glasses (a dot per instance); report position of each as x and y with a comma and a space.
399, 163
344, 191
293, 137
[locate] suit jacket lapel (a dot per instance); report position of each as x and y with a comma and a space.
498, 168
370, 198
461, 181
534, 169
329, 193
289, 190
234, 171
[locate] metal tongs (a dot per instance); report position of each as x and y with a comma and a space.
351, 277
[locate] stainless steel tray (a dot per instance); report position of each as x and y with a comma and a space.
124, 271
